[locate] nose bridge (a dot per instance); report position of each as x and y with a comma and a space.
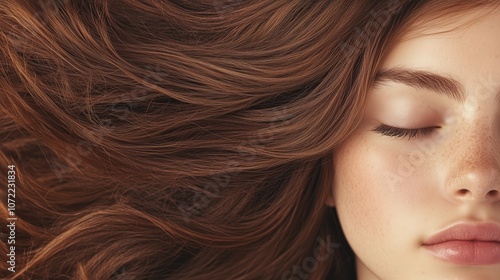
475, 161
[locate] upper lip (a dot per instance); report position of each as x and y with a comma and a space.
487, 231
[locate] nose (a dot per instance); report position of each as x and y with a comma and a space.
477, 186
475, 173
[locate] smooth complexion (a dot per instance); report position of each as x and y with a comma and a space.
395, 189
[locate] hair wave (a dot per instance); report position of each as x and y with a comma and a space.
183, 139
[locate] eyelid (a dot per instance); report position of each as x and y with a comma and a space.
398, 132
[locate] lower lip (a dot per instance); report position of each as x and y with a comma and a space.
467, 252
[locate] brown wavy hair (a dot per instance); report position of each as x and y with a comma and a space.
184, 139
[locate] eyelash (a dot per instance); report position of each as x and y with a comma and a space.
403, 132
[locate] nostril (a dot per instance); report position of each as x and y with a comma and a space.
463, 192
493, 193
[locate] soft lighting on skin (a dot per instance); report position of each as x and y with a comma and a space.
392, 193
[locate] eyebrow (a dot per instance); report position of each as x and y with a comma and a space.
424, 80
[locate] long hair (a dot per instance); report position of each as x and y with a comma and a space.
186, 139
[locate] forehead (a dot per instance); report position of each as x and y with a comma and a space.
465, 46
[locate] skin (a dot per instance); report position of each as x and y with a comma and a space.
408, 190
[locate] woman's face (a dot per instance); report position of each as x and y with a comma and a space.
394, 189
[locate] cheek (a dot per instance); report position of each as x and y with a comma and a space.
376, 198
360, 190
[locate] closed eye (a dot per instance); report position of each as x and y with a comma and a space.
404, 132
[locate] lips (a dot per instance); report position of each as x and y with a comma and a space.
467, 244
